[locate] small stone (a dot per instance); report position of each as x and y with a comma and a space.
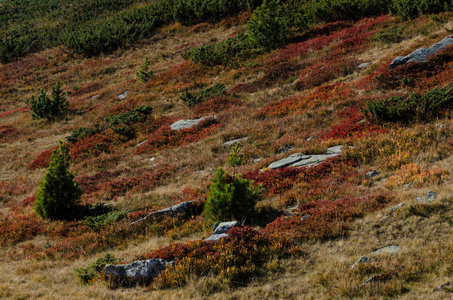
309, 139
181, 208
371, 174
123, 95
186, 124
335, 150
141, 271
141, 144
305, 217
427, 198
397, 207
446, 286
364, 65
234, 142
286, 149
220, 230
387, 249
257, 160
374, 279
152, 159
361, 260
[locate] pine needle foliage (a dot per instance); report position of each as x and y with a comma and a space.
58, 195
45, 108
143, 74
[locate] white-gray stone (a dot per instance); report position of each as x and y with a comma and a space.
371, 174
422, 54
427, 198
288, 161
220, 230
186, 124
364, 65
123, 95
141, 144
387, 249
141, 271
305, 217
335, 150
313, 160
373, 279
256, 160
173, 211
234, 142
397, 207
446, 286
361, 260
306, 160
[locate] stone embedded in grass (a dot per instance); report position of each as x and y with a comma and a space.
186, 124
220, 230
361, 260
446, 286
364, 65
233, 142
387, 250
181, 208
286, 149
123, 95
371, 174
137, 272
374, 279
397, 207
427, 198
304, 160
422, 54
305, 217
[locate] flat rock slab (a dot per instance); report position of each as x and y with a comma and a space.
427, 198
186, 124
397, 207
364, 65
387, 250
220, 230
360, 261
306, 160
422, 54
141, 271
234, 142
173, 211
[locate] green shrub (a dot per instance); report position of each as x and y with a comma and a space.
143, 74
414, 108
58, 194
83, 132
95, 269
231, 198
265, 27
49, 109
138, 114
407, 9
192, 99
227, 52
104, 219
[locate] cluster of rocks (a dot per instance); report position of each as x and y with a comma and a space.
306, 160
144, 271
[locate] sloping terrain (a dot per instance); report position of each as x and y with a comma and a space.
324, 83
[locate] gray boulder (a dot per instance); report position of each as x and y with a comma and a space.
364, 65
137, 272
313, 160
371, 174
288, 161
220, 230
427, 198
360, 261
387, 250
234, 142
123, 95
181, 208
422, 54
306, 160
186, 124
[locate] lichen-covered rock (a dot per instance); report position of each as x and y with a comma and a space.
123, 95
427, 198
422, 54
137, 272
387, 250
220, 230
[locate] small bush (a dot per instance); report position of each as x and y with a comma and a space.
95, 269
192, 99
143, 74
58, 194
231, 198
45, 108
416, 107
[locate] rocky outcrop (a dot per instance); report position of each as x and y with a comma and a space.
220, 230
186, 124
181, 208
422, 54
306, 160
137, 272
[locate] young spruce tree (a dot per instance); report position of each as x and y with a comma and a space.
58, 195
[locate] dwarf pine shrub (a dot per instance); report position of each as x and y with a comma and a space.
143, 74
46, 108
58, 195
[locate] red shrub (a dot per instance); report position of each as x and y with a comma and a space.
42, 161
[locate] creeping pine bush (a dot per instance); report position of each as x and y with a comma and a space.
58, 195
192, 99
415, 107
94, 269
45, 108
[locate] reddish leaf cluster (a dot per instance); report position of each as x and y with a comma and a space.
216, 104
6, 132
43, 160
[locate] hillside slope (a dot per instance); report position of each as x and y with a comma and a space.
323, 83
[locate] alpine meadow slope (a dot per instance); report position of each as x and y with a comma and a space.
343, 163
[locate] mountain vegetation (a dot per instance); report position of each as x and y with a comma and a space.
160, 103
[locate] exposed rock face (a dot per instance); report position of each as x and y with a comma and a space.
141, 271
181, 208
220, 230
422, 54
186, 124
306, 160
